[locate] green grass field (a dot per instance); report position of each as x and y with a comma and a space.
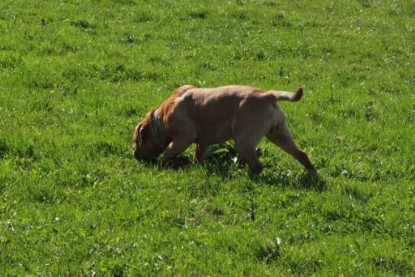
76, 77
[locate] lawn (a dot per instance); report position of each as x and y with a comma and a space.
77, 76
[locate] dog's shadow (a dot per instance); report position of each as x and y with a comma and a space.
226, 163
224, 169
222, 161
227, 166
217, 166
174, 164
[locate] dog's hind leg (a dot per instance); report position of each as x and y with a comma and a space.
247, 153
200, 153
247, 134
283, 138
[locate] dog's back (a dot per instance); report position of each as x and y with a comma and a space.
218, 113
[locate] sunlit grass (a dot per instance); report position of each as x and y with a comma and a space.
75, 78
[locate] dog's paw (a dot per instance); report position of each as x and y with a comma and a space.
313, 180
256, 170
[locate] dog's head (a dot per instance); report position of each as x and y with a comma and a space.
146, 147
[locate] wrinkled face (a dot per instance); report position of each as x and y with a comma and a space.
145, 146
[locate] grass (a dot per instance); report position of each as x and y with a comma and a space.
76, 76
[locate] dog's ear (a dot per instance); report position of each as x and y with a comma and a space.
136, 135
144, 132
141, 131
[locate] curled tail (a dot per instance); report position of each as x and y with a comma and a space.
287, 96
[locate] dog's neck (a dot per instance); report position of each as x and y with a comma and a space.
155, 124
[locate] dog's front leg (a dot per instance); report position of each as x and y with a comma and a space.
176, 146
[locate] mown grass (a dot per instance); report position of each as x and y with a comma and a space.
76, 76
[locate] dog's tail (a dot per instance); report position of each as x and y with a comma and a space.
287, 96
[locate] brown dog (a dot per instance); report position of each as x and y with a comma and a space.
208, 116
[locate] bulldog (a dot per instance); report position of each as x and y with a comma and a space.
208, 116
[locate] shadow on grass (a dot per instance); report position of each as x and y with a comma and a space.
174, 164
226, 170
226, 167
223, 168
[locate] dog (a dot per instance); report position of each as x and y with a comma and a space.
208, 116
